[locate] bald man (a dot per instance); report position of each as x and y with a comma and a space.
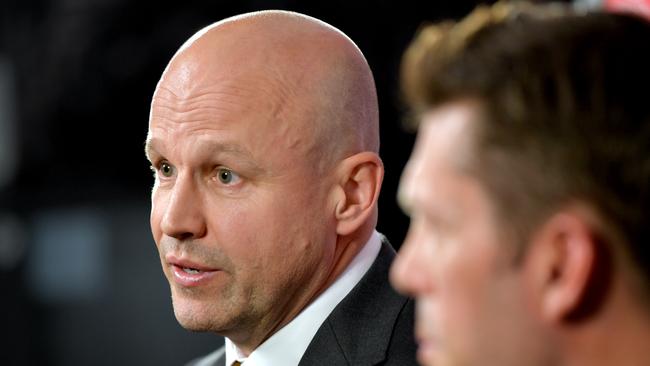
263, 137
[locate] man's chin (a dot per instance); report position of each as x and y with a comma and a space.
191, 323
196, 316
198, 328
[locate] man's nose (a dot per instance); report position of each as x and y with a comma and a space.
409, 272
183, 217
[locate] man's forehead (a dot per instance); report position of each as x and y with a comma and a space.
278, 84
230, 86
227, 102
178, 78
242, 51
282, 52
450, 119
190, 76
448, 134
262, 122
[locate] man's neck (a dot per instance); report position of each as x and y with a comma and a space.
347, 248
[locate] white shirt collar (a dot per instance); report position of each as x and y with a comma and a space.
288, 344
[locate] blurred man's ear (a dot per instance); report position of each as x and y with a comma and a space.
560, 265
358, 187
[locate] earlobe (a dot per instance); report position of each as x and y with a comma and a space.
563, 256
360, 183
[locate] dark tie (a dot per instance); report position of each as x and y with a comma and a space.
236, 363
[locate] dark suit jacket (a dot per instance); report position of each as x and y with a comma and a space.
372, 325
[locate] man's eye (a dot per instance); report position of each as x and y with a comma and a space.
166, 169
227, 176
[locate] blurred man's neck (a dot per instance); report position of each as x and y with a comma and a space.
619, 336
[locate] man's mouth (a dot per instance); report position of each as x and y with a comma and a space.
188, 273
192, 277
191, 270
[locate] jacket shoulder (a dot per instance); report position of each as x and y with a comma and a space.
372, 325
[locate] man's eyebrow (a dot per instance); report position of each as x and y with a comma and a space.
208, 148
149, 148
243, 156
224, 147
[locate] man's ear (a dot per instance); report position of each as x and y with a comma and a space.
560, 264
358, 186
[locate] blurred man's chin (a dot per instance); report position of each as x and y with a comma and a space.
430, 359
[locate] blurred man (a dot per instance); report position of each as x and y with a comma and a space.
264, 140
529, 189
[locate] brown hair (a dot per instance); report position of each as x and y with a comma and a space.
565, 108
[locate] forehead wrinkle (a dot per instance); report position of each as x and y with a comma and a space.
219, 100
279, 131
176, 131
233, 94
298, 112
283, 102
214, 148
189, 101
204, 147
196, 115
285, 92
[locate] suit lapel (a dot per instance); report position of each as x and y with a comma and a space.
222, 360
359, 329
216, 358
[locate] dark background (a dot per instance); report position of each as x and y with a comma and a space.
80, 281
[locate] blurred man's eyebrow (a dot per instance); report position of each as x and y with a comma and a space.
408, 203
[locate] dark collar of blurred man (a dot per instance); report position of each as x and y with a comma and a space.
264, 140
529, 189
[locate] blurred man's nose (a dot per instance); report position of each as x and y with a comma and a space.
183, 217
410, 273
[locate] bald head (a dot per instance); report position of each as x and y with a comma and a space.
263, 136
309, 78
